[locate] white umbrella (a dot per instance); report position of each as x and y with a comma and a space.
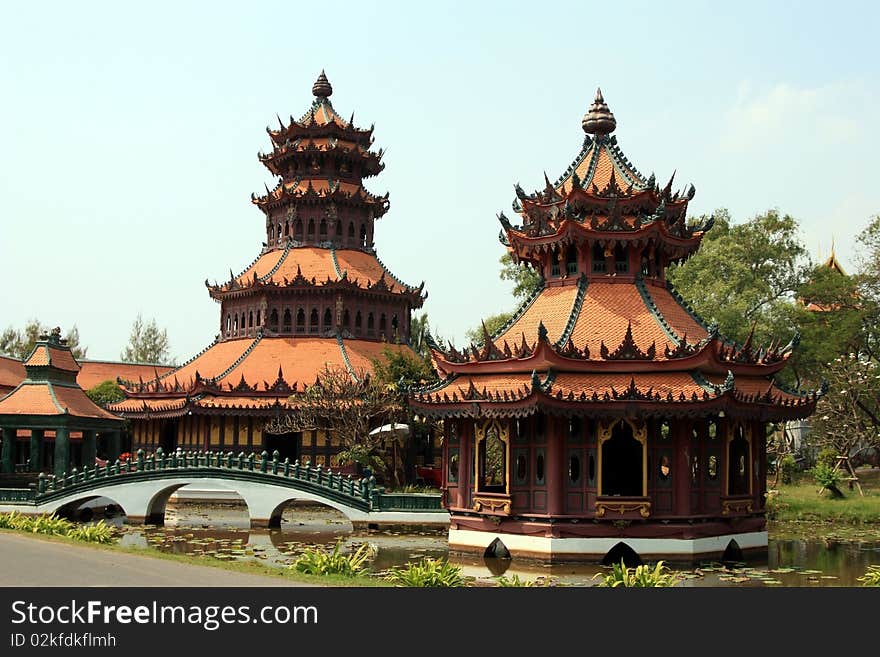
400, 429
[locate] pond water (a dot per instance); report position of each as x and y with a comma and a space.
221, 530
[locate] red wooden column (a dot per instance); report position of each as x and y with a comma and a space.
554, 466
681, 434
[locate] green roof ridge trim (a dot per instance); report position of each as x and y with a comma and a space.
648, 300
345, 358
575, 311
238, 361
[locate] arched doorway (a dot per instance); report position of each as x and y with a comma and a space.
621, 462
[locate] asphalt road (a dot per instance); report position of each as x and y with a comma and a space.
28, 561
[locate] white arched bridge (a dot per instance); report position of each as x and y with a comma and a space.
143, 485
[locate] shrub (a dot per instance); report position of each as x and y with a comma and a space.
788, 468
54, 526
427, 573
318, 561
827, 457
100, 532
639, 577
872, 577
828, 478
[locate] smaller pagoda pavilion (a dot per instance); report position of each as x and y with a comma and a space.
47, 421
607, 419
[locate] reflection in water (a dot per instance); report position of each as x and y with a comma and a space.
222, 532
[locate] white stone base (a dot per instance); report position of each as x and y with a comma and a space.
544, 547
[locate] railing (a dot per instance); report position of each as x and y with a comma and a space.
360, 493
409, 502
17, 495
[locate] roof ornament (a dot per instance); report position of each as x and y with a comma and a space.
322, 87
599, 120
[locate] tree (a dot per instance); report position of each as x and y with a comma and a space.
106, 392
831, 321
745, 277
350, 407
493, 324
418, 331
525, 279
19, 344
868, 283
396, 366
848, 416
146, 344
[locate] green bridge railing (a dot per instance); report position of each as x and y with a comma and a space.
362, 494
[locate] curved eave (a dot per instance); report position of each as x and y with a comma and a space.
370, 161
546, 355
570, 230
560, 405
415, 296
280, 195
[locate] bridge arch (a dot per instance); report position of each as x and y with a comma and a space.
276, 516
73, 509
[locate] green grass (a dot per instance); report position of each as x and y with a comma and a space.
801, 502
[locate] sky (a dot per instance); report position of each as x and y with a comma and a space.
129, 135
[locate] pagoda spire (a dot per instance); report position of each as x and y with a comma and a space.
599, 120
322, 87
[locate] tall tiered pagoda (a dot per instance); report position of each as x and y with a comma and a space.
606, 419
316, 295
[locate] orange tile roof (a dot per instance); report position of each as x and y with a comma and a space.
605, 164
552, 307
155, 405
94, 372
516, 385
261, 267
317, 263
364, 266
46, 398
301, 360
48, 355
606, 311
325, 113
212, 362
663, 383
677, 317
11, 373
362, 353
320, 185
753, 385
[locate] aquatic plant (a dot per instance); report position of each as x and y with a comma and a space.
320, 561
515, 582
427, 572
639, 577
871, 578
